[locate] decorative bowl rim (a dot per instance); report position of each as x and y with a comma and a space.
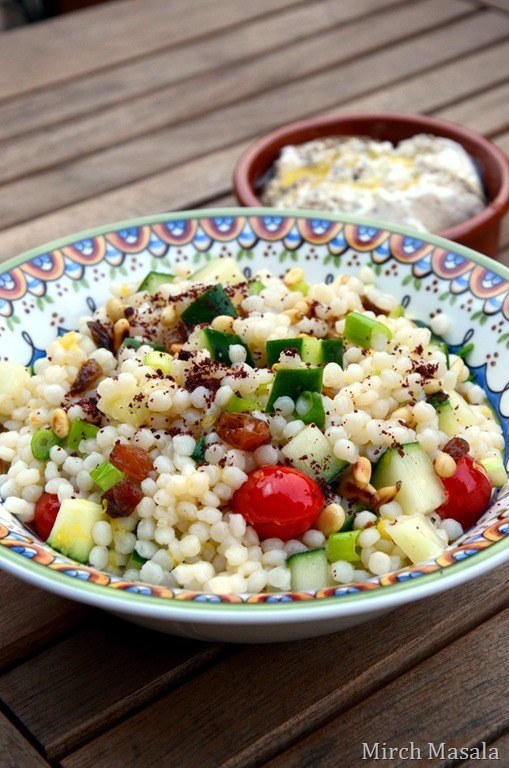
391, 595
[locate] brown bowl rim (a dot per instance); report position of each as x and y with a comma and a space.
494, 210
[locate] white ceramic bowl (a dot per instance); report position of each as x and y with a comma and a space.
43, 292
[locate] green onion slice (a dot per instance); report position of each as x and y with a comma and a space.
80, 430
106, 475
342, 546
309, 408
363, 331
42, 443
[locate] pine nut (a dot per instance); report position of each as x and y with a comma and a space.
361, 471
222, 323
59, 422
331, 519
168, 316
388, 493
115, 309
293, 276
175, 348
444, 465
120, 331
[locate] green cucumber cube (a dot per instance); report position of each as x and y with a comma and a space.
421, 491
212, 302
72, 531
291, 382
311, 453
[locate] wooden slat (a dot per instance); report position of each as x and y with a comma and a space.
50, 106
117, 166
437, 88
36, 619
115, 32
186, 100
483, 112
458, 697
503, 5
187, 185
269, 696
15, 751
86, 682
501, 745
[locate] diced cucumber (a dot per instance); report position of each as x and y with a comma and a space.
154, 280
72, 531
130, 343
364, 331
463, 412
495, 468
213, 302
416, 536
311, 350
398, 311
447, 421
332, 351
238, 404
198, 454
437, 343
255, 287
302, 286
135, 561
218, 344
225, 271
291, 382
13, 378
311, 453
421, 491
159, 361
309, 570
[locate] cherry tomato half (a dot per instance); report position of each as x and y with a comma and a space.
278, 502
467, 492
46, 510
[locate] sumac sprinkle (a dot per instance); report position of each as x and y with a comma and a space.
456, 447
122, 499
132, 460
242, 431
88, 374
100, 334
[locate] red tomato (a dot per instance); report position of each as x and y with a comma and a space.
278, 502
132, 460
46, 510
467, 492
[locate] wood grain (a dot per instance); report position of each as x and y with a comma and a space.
115, 32
502, 745
194, 183
36, 618
82, 685
286, 691
185, 100
15, 750
95, 91
114, 167
439, 701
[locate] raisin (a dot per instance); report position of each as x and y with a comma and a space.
132, 460
242, 431
101, 335
88, 374
456, 447
122, 499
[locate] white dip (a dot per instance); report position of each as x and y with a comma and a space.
427, 182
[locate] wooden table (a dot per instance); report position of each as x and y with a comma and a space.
135, 107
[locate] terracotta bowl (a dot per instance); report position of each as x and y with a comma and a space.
480, 232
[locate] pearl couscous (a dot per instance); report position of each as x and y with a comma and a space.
211, 432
